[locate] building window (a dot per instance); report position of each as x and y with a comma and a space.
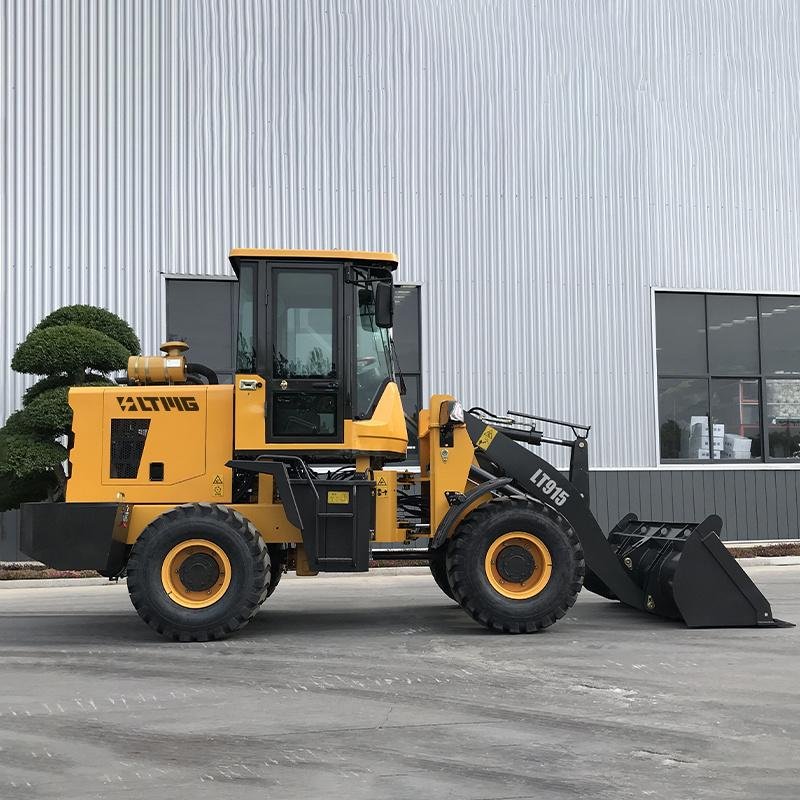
728, 371
202, 312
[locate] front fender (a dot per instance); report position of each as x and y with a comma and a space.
540, 480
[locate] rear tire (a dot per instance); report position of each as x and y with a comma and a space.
438, 564
198, 572
515, 566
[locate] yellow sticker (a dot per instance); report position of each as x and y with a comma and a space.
338, 498
487, 437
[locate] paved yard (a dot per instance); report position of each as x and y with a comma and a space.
379, 687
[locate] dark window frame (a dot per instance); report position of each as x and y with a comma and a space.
342, 309
409, 375
761, 376
171, 282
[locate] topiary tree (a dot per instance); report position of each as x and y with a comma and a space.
74, 346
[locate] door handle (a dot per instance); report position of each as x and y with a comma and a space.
325, 385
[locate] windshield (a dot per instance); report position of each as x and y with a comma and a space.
373, 353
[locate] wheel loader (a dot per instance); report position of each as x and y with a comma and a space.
205, 494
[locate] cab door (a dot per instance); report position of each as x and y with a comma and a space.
305, 365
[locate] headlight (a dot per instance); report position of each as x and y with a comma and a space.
456, 412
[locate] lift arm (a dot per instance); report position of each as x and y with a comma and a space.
540, 480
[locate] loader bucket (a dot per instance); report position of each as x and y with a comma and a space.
685, 572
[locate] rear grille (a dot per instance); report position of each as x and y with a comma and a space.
127, 445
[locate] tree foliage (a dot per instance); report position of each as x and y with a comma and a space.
54, 381
69, 348
75, 345
32, 487
98, 319
21, 454
49, 413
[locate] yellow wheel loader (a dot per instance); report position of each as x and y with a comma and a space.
204, 494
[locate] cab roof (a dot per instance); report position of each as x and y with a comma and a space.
385, 260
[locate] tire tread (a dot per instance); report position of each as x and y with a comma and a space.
256, 594
459, 555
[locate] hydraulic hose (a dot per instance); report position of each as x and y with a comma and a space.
204, 371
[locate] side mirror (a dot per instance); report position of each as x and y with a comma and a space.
384, 305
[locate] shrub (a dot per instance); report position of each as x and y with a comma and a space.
22, 454
98, 319
31, 487
71, 349
49, 412
75, 345
54, 381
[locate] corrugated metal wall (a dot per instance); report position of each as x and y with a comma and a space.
753, 504
538, 166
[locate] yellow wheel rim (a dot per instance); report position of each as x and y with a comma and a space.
196, 573
518, 565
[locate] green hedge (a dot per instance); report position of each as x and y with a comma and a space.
32, 487
42, 385
68, 349
21, 454
49, 413
98, 319
73, 346
54, 381
17, 423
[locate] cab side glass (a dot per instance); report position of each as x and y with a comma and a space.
245, 338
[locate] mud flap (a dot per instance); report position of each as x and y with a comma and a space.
685, 572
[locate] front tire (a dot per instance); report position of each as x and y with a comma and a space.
514, 566
437, 561
277, 559
198, 572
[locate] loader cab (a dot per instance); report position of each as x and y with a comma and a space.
314, 365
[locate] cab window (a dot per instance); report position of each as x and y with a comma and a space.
373, 355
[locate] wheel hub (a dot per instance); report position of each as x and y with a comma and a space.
196, 573
199, 572
515, 564
518, 565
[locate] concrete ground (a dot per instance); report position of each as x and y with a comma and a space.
379, 687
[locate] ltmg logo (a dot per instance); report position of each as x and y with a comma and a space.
178, 403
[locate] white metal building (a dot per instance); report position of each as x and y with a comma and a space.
542, 170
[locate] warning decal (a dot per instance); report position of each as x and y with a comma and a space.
338, 498
486, 438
